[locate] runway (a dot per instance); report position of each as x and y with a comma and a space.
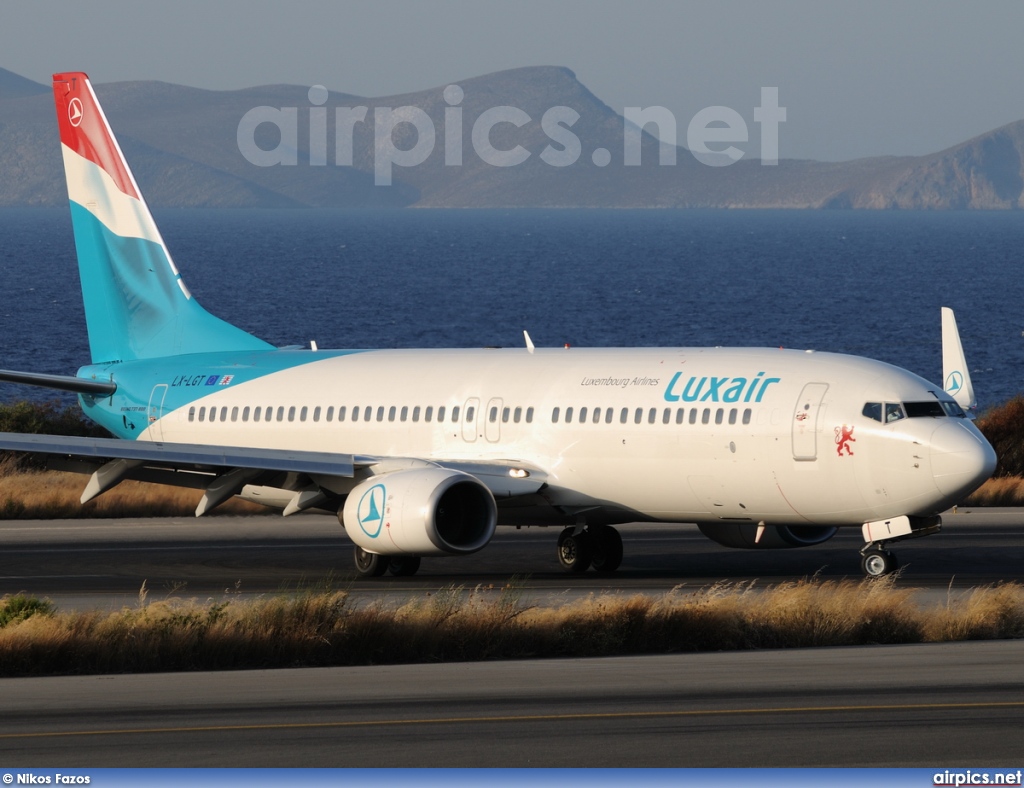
940, 706
103, 563
950, 705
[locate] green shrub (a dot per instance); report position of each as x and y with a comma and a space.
19, 607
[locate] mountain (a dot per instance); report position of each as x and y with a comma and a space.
183, 145
16, 86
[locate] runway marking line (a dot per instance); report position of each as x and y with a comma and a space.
520, 718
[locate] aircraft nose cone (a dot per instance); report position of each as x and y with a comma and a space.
961, 458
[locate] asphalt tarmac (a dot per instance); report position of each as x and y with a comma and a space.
942, 706
103, 563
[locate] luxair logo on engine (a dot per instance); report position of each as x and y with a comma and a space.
370, 510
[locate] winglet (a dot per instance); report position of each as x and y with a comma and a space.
529, 342
956, 378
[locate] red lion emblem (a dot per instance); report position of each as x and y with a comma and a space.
844, 437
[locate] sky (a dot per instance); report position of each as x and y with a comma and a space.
892, 77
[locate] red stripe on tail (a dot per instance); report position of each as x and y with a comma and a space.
84, 129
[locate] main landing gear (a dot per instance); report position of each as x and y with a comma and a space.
599, 546
876, 560
373, 565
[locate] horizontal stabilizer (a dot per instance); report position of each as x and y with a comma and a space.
102, 388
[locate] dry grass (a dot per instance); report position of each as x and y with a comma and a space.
37, 495
998, 491
320, 627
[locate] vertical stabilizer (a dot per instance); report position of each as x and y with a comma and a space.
136, 304
956, 378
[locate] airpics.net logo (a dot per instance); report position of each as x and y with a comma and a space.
712, 135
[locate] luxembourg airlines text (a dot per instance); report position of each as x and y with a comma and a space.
715, 389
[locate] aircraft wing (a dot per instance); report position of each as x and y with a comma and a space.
222, 471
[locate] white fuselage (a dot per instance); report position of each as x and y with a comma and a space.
681, 434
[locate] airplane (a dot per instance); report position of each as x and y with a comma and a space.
425, 452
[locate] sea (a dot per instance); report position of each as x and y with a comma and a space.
863, 282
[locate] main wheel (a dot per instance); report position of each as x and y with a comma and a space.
574, 551
370, 564
404, 565
607, 549
877, 562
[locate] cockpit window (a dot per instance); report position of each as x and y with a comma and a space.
873, 410
893, 412
953, 409
916, 410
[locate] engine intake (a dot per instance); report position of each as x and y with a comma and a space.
775, 537
423, 511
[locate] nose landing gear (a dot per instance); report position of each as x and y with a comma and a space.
876, 560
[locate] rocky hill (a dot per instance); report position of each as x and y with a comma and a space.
183, 145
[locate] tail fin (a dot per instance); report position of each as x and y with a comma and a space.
956, 378
136, 304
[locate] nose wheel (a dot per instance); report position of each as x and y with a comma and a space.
876, 562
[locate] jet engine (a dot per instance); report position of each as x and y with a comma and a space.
423, 511
775, 537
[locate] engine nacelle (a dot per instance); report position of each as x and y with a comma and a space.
422, 511
775, 537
